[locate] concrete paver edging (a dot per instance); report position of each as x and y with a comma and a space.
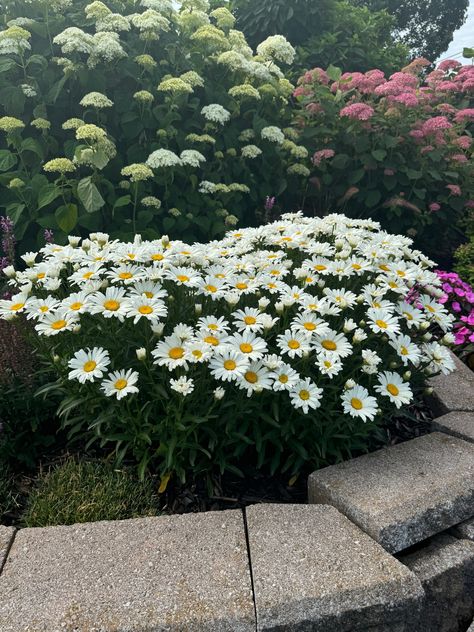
279, 568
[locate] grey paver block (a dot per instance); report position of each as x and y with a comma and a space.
314, 570
168, 573
464, 530
471, 627
6, 537
454, 391
445, 567
405, 493
459, 424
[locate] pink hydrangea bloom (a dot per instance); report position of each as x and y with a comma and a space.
426, 149
464, 115
435, 124
449, 64
408, 99
389, 172
434, 206
469, 204
358, 111
461, 158
464, 142
322, 154
454, 188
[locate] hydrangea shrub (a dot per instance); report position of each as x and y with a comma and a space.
140, 116
281, 345
398, 149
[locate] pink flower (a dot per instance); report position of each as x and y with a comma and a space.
459, 158
454, 188
314, 108
426, 149
434, 124
434, 206
469, 204
464, 142
446, 108
322, 154
463, 115
449, 64
389, 172
301, 91
447, 86
358, 111
408, 99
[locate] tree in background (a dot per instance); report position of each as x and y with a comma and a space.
325, 32
425, 27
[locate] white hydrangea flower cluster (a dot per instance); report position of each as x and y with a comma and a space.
277, 48
216, 113
326, 312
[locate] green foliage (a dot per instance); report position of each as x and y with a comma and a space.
84, 491
28, 423
7, 491
143, 78
425, 27
400, 162
325, 32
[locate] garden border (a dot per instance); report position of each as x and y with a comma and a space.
274, 567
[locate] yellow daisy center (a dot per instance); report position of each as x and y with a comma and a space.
87, 275
392, 389
197, 353
408, 316
356, 403
429, 308
120, 384
251, 377
356, 266
241, 286
183, 278
76, 306
112, 305
309, 326
219, 275
245, 347
211, 340
145, 309
157, 257
319, 267
392, 284
329, 345
283, 378
211, 288
148, 294
44, 309
304, 394
176, 353
58, 324
275, 272
309, 279
213, 327
381, 323
327, 364
40, 275
250, 320
404, 351
294, 344
229, 365
384, 267
125, 275
131, 255
89, 366
16, 306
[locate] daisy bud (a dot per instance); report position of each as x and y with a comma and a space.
158, 328
360, 299
86, 244
73, 240
349, 325
198, 309
427, 336
170, 298
393, 365
362, 323
56, 358
104, 284
424, 325
258, 389
448, 339
279, 307
263, 303
321, 283
219, 393
407, 375
165, 240
141, 353
10, 272
76, 329
305, 354
349, 384
232, 298
429, 390
29, 258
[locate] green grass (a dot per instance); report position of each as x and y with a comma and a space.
7, 492
85, 491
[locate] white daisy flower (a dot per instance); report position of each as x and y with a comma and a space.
256, 378
285, 378
294, 343
151, 309
382, 321
334, 343
112, 303
56, 322
310, 324
183, 385
228, 365
249, 344
150, 289
439, 357
248, 319
88, 364
329, 364
305, 395
76, 303
413, 316
13, 306
357, 402
37, 307
197, 351
213, 323
407, 350
126, 274
183, 331
170, 352
392, 386
120, 384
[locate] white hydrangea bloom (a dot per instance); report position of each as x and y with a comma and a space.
96, 100
74, 40
251, 151
192, 157
277, 48
215, 113
163, 158
273, 134
106, 48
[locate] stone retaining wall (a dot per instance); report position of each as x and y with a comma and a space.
385, 545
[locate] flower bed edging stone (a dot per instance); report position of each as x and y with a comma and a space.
454, 391
445, 567
6, 538
169, 573
458, 423
315, 570
464, 530
405, 493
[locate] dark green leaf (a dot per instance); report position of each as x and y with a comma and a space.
89, 195
7, 160
66, 217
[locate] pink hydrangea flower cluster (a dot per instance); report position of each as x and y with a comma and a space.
322, 154
358, 111
459, 298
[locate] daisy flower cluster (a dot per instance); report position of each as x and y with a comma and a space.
316, 312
